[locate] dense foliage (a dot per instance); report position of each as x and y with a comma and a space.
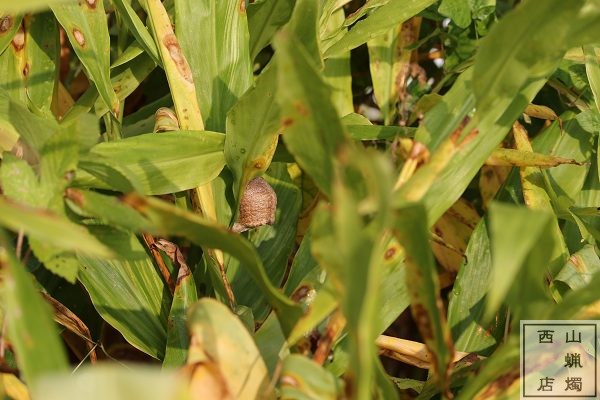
431, 178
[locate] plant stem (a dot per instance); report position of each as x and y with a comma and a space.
183, 91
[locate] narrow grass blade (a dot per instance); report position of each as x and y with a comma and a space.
42, 51
86, 26
137, 29
264, 19
307, 113
221, 73
28, 318
411, 229
379, 21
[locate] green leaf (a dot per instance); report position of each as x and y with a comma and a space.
449, 182
386, 62
12, 22
502, 366
12, 64
578, 271
466, 307
132, 51
507, 60
313, 132
20, 183
220, 337
253, 127
17, 119
454, 163
351, 245
392, 289
457, 10
368, 7
578, 232
126, 78
571, 140
112, 381
221, 73
166, 162
86, 26
264, 19
58, 158
302, 378
28, 319
337, 70
321, 306
178, 339
30, 5
411, 229
378, 132
580, 303
107, 209
304, 25
304, 271
128, 292
170, 220
379, 21
52, 229
592, 68
443, 118
271, 343
137, 29
42, 51
519, 266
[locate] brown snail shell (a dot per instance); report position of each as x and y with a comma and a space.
257, 206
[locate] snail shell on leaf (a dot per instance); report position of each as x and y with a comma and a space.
257, 207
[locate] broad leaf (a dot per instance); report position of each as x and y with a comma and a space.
167, 162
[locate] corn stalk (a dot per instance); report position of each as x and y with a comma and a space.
183, 91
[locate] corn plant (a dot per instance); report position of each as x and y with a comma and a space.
296, 199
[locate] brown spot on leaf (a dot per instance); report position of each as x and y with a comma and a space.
26, 70
91, 4
6, 23
389, 253
79, 37
576, 261
134, 201
288, 380
259, 164
172, 45
69, 175
500, 384
243, 6
76, 196
18, 42
286, 122
302, 110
